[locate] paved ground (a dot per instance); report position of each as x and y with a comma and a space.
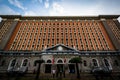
50, 77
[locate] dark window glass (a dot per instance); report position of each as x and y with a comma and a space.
48, 61
25, 62
13, 63
106, 62
60, 61
95, 62
85, 63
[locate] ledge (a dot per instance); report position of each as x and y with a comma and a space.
59, 17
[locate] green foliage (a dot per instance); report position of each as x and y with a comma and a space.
76, 60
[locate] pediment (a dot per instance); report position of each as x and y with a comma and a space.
60, 47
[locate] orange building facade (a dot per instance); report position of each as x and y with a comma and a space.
85, 35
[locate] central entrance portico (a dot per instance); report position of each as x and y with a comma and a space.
57, 58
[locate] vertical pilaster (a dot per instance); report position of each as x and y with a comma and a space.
111, 35
7, 36
117, 23
1, 24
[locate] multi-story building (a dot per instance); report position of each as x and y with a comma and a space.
56, 40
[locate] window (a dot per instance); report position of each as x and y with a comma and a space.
48, 41
85, 63
13, 63
106, 62
42, 46
25, 62
95, 62
52, 41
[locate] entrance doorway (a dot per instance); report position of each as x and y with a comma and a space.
60, 70
60, 67
48, 68
71, 68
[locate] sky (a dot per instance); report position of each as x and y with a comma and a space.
60, 7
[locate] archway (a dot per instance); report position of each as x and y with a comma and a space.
71, 68
25, 62
48, 66
60, 68
12, 64
95, 63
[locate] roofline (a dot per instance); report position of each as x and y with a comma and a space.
59, 17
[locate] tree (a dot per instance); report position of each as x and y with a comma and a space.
39, 62
76, 60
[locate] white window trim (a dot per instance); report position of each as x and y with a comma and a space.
110, 67
11, 62
23, 61
97, 62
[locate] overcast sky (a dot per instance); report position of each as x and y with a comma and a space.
59, 7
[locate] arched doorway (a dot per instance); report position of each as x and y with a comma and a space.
60, 61
60, 65
71, 68
60, 68
48, 66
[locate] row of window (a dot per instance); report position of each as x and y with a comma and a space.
26, 23
4, 29
56, 29
95, 62
86, 38
114, 28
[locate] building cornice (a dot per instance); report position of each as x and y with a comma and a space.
59, 17
80, 53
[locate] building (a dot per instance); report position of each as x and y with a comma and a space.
56, 40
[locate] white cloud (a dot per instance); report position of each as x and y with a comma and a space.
56, 10
17, 4
7, 10
47, 4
